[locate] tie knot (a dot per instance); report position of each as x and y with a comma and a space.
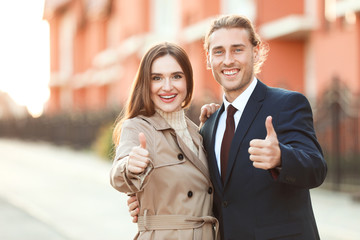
231, 110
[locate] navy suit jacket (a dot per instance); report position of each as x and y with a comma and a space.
251, 204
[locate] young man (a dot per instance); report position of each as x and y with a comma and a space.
274, 157
262, 174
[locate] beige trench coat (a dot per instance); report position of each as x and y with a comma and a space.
175, 192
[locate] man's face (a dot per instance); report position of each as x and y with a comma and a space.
231, 58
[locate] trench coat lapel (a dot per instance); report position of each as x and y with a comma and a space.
190, 155
197, 138
251, 110
160, 124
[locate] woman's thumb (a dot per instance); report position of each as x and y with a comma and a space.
142, 140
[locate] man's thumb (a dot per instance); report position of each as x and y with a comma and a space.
142, 140
269, 127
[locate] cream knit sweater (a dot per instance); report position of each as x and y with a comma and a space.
177, 121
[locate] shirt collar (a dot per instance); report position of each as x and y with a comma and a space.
240, 102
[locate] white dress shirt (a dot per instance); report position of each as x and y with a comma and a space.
239, 103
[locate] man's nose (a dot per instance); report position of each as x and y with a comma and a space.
228, 58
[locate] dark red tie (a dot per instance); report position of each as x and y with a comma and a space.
226, 142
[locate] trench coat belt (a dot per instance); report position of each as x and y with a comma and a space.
179, 222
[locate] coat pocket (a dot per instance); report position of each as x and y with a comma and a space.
287, 231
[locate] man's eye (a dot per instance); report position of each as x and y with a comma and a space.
238, 50
217, 52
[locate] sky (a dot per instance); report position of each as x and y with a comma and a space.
24, 53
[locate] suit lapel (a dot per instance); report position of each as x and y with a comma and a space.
252, 108
213, 166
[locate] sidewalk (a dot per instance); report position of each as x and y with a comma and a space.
18, 224
56, 193
337, 215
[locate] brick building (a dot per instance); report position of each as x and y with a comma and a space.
9, 109
96, 47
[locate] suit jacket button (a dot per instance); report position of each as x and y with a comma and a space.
210, 190
190, 194
180, 156
225, 204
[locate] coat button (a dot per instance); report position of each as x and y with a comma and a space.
225, 204
190, 194
210, 190
180, 156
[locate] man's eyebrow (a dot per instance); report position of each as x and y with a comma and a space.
233, 45
217, 47
238, 45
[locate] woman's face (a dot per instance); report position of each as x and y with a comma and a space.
168, 84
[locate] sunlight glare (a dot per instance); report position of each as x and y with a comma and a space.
24, 59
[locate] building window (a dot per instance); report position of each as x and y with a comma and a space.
242, 7
330, 10
165, 18
66, 42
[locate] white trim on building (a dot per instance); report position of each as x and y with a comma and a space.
292, 26
345, 6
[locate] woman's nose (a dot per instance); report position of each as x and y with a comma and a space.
167, 85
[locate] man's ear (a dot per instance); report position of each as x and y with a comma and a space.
256, 50
208, 65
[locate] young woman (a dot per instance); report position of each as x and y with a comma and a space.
159, 153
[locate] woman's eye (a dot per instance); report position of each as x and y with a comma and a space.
177, 76
156, 78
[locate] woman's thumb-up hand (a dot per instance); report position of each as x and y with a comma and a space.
139, 156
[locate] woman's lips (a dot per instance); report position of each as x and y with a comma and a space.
168, 97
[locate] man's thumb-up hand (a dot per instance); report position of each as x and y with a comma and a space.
139, 156
265, 153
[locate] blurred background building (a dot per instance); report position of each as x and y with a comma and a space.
96, 47
9, 109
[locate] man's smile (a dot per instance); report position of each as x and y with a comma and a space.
230, 72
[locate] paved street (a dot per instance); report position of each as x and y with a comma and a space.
51, 193
55, 193
337, 215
